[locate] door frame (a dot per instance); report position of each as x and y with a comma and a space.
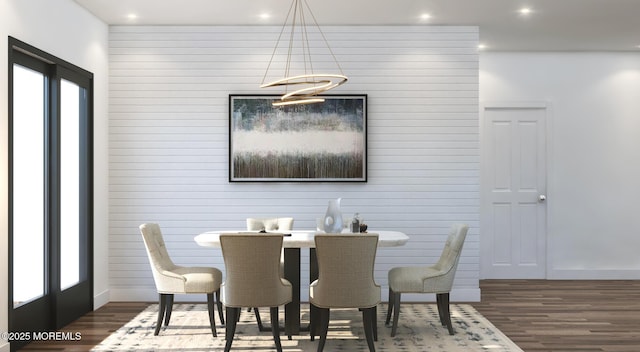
484, 189
64, 305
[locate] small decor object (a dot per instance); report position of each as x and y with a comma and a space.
355, 223
333, 217
363, 228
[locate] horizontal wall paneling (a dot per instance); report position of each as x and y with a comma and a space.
168, 129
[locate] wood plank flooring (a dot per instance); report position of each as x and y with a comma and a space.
538, 315
94, 327
585, 316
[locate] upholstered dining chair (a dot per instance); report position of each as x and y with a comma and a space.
345, 280
437, 278
253, 279
171, 279
269, 225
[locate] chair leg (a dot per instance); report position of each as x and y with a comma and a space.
440, 309
212, 313
368, 316
324, 327
374, 321
446, 311
275, 328
314, 320
389, 307
162, 305
259, 320
219, 304
396, 312
313, 323
232, 320
167, 314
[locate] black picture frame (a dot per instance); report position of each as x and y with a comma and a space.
318, 142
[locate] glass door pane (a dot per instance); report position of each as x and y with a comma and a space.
70, 110
28, 176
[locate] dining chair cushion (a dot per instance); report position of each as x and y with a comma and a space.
199, 279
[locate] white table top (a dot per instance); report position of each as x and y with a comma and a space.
304, 238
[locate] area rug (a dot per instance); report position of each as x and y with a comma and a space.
419, 330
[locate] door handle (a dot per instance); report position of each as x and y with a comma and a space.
542, 198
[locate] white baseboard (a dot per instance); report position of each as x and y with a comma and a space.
100, 299
465, 295
456, 295
580, 274
149, 294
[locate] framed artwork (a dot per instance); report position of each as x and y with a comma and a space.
319, 142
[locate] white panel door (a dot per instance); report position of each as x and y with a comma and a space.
513, 204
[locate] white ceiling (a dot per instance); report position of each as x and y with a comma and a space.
557, 25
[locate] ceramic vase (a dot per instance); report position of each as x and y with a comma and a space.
333, 217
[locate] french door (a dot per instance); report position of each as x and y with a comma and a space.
50, 191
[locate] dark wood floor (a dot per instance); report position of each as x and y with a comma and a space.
538, 315
585, 316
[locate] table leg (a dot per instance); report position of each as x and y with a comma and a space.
314, 313
292, 273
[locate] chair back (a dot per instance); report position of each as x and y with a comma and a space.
270, 224
157, 252
345, 271
252, 263
448, 262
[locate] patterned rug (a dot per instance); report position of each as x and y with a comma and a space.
419, 330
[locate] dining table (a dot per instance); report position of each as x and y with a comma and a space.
293, 242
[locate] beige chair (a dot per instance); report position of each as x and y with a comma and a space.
172, 279
437, 279
345, 280
269, 225
253, 278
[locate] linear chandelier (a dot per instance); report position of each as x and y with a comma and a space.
303, 87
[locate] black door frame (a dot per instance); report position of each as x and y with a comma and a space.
59, 307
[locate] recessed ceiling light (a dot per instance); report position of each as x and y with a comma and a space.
525, 11
481, 46
132, 16
264, 16
425, 16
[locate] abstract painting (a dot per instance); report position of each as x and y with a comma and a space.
319, 142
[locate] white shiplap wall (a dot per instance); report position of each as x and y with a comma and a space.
168, 116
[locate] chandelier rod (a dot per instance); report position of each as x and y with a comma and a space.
324, 38
315, 83
275, 48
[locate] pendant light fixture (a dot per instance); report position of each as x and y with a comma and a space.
304, 86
